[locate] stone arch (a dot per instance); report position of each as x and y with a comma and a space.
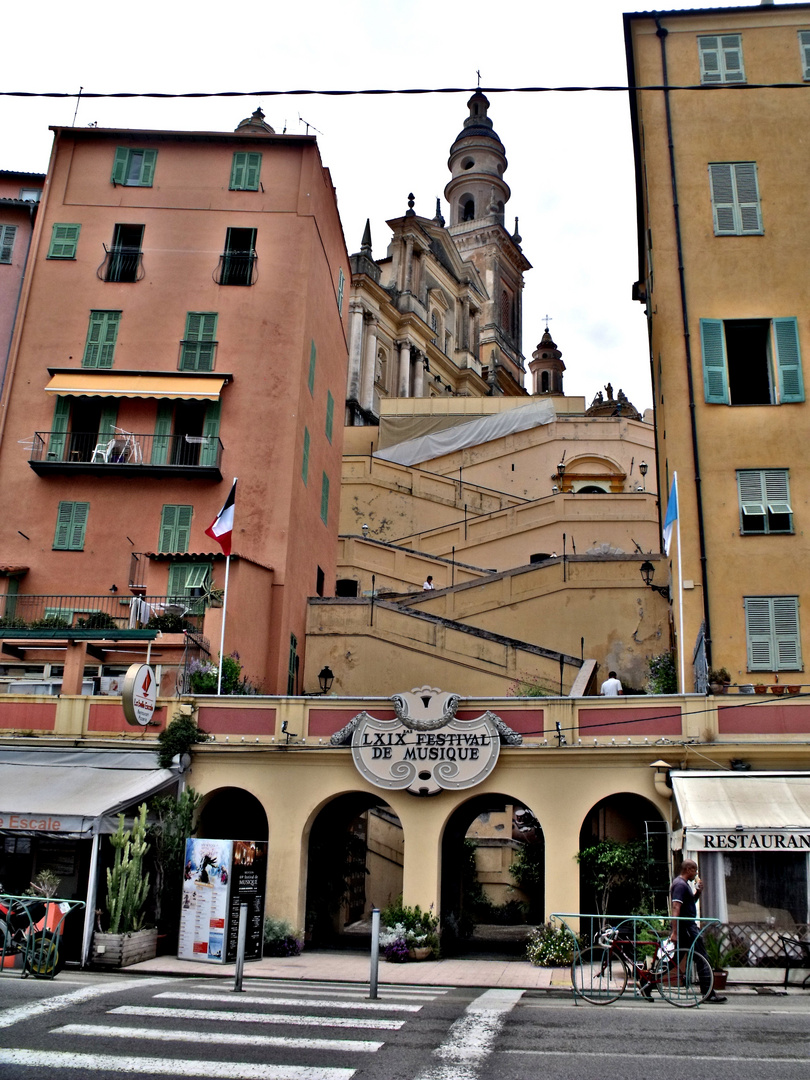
231, 813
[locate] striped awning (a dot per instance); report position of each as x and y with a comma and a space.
110, 384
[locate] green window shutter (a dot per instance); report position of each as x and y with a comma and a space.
732, 58
788, 359
804, 53
163, 432
252, 172
709, 52
777, 491
71, 522
786, 632
291, 666
120, 165
305, 457
725, 223
64, 241
747, 194
238, 166
7, 234
313, 357
341, 287
715, 375
102, 334
177, 580
325, 499
147, 168
209, 451
109, 414
758, 633
59, 426
330, 414
175, 528
750, 489
200, 341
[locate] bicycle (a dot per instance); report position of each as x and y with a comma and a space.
600, 973
24, 932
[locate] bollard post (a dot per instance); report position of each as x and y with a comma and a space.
240, 948
375, 952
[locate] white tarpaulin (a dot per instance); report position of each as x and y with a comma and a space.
74, 794
481, 430
743, 811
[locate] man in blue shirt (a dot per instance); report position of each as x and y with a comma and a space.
684, 906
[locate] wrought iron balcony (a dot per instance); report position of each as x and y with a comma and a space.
121, 264
236, 268
125, 452
55, 614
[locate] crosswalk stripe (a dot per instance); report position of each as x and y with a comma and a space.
228, 1070
374, 1023
385, 992
359, 1046
313, 1003
310, 986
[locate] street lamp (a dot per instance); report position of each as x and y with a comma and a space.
647, 571
643, 470
325, 679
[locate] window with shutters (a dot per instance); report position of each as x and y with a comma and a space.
341, 290
175, 528
292, 666
305, 457
751, 361
245, 170
123, 260
313, 359
134, 168
7, 235
71, 522
804, 53
188, 582
764, 501
772, 633
721, 58
102, 334
237, 265
735, 198
199, 345
330, 414
64, 241
325, 499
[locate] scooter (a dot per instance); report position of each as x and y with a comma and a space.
22, 932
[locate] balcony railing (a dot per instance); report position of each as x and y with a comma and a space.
236, 268
122, 264
55, 612
124, 451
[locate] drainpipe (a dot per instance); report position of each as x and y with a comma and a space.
662, 34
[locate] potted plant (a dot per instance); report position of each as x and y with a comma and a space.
126, 941
280, 939
721, 958
408, 933
719, 680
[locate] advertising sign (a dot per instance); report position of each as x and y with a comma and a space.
139, 694
219, 875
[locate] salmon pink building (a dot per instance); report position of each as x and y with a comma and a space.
182, 323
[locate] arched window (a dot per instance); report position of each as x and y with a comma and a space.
506, 321
545, 382
468, 210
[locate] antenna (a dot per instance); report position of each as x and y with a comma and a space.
301, 120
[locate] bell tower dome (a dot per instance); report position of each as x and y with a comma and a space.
477, 190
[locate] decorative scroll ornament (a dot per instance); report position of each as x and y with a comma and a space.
425, 749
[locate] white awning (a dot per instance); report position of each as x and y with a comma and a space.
743, 811
74, 793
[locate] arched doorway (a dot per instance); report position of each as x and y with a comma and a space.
493, 876
354, 864
232, 814
634, 822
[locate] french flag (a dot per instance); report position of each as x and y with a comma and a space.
221, 528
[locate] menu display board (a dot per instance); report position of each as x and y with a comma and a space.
219, 876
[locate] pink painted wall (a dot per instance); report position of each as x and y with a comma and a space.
24, 715
621, 723
770, 719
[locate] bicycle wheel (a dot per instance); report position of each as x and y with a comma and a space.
42, 958
687, 988
599, 975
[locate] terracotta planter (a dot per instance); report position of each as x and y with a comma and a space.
778, 690
760, 688
794, 689
422, 953
121, 950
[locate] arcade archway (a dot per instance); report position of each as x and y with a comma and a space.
232, 814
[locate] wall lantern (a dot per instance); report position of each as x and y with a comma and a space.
325, 679
647, 571
643, 467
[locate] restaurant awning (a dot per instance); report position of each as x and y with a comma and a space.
743, 811
112, 384
74, 793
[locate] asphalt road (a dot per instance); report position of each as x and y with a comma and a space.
105, 1026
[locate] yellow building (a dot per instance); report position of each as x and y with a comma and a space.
723, 210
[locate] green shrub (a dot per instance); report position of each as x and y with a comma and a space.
280, 939
178, 738
50, 622
13, 622
550, 946
663, 678
416, 927
99, 620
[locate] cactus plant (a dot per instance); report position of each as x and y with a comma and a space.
127, 884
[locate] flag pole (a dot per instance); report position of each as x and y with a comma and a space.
680, 589
222, 635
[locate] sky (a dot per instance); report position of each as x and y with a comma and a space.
570, 155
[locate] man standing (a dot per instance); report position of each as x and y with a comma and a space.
684, 906
611, 687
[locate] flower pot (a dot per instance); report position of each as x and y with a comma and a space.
121, 950
794, 689
422, 952
760, 688
778, 690
720, 980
